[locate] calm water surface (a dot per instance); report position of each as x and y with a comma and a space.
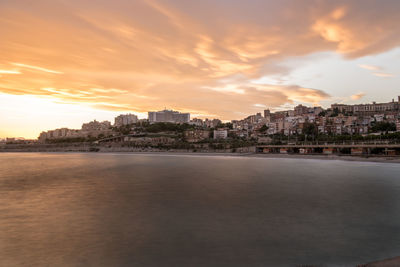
172, 210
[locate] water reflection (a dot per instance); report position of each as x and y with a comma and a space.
158, 210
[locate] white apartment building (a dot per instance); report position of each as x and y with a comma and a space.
168, 116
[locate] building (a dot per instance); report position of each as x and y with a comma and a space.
315, 110
168, 116
197, 122
267, 115
196, 135
212, 123
300, 110
96, 129
126, 119
96, 126
279, 115
255, 119
90, 129
59, 133
220, 134
368, 109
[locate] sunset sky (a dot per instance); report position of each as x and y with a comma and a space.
65, 62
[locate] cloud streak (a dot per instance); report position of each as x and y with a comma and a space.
9, 72
369, 67
383, 74
357, 96
36, 68
377, 71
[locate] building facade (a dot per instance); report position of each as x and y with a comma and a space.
220, 134
96, 126
196, 135
300, 110
126, 119
168, 116
364, 109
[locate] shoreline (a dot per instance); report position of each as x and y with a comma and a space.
379, 159
276, 156
334, 157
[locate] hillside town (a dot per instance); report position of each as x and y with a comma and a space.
169, 129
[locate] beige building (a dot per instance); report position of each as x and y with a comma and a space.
368, 108
220, 134
300, 110
59, 133
126, 119
96, 126
93, 128
196, 135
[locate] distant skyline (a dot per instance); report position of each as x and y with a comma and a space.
63, 63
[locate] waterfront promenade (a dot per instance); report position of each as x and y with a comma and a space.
391, 148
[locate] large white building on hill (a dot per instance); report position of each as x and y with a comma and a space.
169, 116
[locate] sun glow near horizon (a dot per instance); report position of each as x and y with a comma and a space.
29, 115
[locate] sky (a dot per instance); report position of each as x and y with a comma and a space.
65, 62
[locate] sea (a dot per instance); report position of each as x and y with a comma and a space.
123, 209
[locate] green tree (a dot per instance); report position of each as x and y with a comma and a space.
383, 126
335, 112
263, 128
310, 128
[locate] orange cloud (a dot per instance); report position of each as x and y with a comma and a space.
369, 67
384, 75
199, 57
36, 68
332, 30
358, 96
378, 71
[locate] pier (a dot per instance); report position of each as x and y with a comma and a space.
351, 148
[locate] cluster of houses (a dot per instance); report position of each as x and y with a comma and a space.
337, 120
90, 129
